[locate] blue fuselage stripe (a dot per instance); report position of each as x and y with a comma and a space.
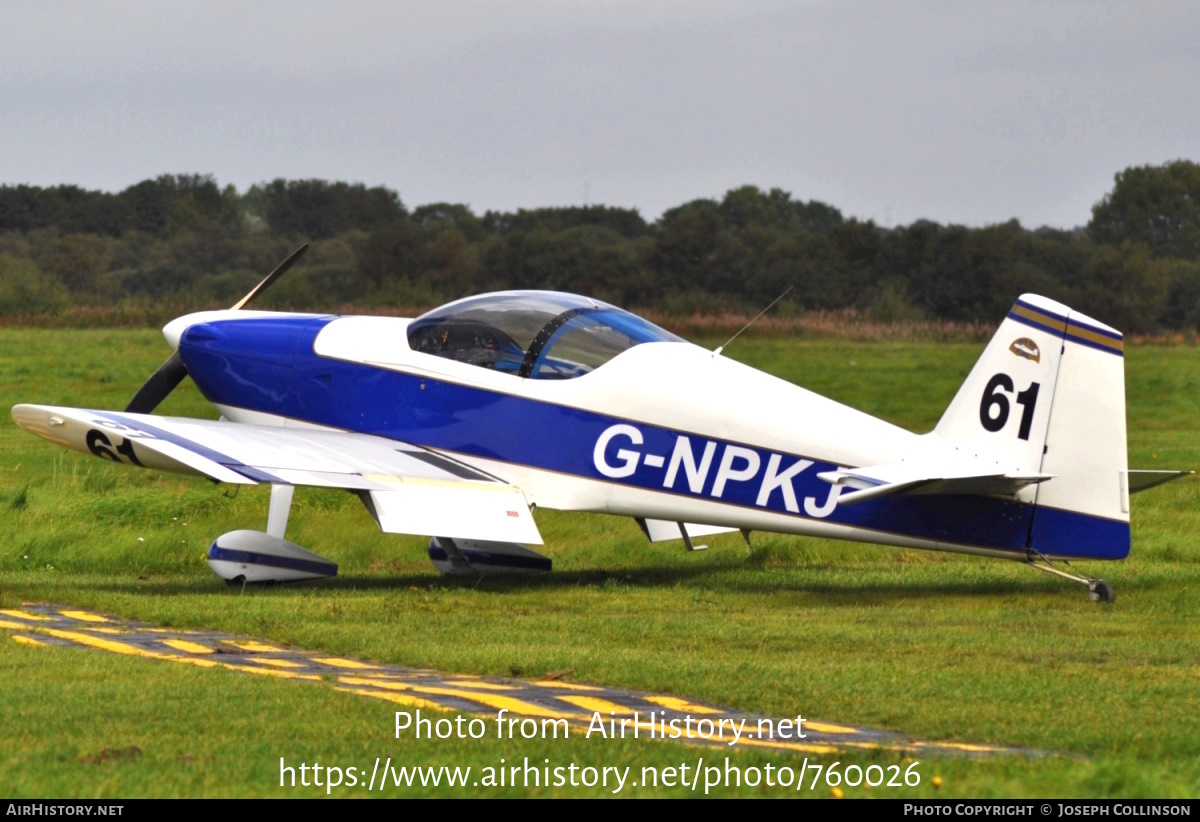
490, 424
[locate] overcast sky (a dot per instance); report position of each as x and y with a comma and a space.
971, 112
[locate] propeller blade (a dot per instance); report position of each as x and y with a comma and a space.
272, 277
161, 383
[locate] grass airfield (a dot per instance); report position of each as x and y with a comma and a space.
935, 646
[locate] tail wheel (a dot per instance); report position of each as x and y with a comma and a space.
1101, 591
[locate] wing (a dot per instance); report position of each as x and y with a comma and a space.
408, 489
917, 478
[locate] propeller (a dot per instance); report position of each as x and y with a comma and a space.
168, 376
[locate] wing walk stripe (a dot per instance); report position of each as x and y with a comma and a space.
448, 465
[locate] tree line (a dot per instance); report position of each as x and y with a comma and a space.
187, 240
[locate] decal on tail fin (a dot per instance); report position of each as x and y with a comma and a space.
1002, 411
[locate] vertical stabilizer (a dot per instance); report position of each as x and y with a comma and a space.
1048, 396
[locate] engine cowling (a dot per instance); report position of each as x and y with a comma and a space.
253, 556
469, 557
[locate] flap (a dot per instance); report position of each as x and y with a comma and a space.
458, 510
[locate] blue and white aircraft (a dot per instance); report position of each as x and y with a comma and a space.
460, 423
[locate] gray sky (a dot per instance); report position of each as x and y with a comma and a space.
971, 112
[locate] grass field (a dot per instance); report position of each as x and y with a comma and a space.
936, 646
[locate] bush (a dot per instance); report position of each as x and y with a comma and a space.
26, 290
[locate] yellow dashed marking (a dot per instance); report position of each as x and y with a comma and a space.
130, 650
826, 728
420, 688
570, 686
676, 704
187, 647
592, 704
115, 647
473, 683
959, 746
508, 703
278, 663
374, 683
400, 699
250, 669
84, 616
14, 626
24, 615
338, 662
802, 747
255, 647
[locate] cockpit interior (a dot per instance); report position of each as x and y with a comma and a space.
541, 335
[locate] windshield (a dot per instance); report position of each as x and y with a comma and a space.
537, 334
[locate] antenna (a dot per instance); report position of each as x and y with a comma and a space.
721, 348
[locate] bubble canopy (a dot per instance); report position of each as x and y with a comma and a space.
542, 335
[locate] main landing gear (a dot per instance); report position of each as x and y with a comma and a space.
241, 557
1098, 589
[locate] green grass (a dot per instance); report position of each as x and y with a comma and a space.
937, 646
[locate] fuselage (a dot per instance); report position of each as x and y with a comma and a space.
664, 430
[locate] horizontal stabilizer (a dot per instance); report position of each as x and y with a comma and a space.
906, 478
1140, 480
